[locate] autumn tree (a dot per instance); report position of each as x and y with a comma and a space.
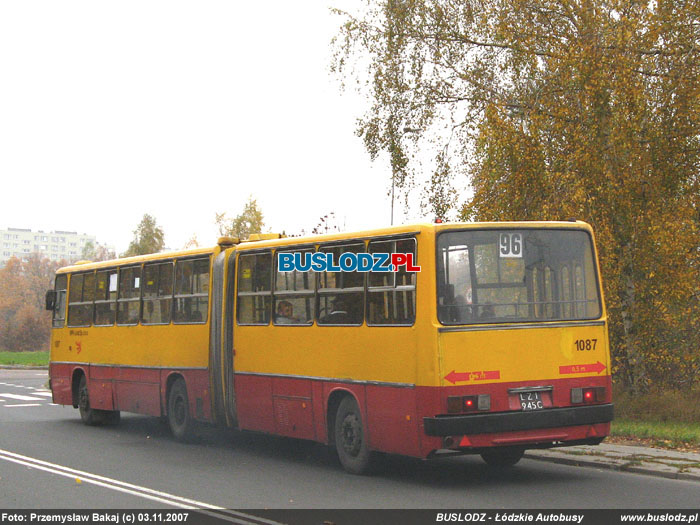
192, 242
11, 295
148, 238
250, 220
91, 252
328, 223
24, 324
554, 109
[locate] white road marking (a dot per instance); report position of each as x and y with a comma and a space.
42, 393
24, 405
20, 398
136, 490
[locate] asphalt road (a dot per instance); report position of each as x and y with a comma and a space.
49, 459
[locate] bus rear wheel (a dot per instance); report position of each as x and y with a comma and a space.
89, 415
503, 457
350, 439
111, 417
179, 418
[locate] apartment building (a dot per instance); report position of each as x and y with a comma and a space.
55, 245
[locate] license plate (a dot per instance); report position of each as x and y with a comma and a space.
531, 401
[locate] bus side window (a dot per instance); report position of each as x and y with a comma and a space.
294, 294
59, 312
106, 298
341, 294
128, 303
191, 291
254, 289
80, 300
391, 296
157, 293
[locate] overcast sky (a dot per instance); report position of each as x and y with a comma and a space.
109, 110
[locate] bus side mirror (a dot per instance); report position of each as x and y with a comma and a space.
50, 299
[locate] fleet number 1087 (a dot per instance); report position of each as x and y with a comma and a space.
583, 345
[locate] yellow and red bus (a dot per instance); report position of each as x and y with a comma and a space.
498, 344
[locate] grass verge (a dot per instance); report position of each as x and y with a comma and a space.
661, 417
663, 434
24, 358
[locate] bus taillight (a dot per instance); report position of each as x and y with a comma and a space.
587, 395
468, 403
457, 404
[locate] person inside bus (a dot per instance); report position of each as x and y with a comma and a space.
461, 311
340, 311
487, 312
457, 308
285, 313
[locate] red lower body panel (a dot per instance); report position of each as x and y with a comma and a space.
299, 408
130, 389
393, 415
60, 375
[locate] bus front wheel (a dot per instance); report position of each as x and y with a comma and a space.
350, 438
503, 457
179, 417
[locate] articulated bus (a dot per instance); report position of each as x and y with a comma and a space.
491, 341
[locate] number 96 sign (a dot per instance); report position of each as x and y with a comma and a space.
511, 245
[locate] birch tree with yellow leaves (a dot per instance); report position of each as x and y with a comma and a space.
555, 109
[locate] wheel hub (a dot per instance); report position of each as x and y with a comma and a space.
83, 401
352, 435
179, 411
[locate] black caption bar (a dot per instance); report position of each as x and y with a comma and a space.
134, 516
352, 517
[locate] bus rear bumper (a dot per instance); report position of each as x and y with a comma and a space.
515, 421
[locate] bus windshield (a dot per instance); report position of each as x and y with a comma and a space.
519, 275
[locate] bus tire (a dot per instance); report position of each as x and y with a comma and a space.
180, 420
89, 415
350, 438
506, 457
111, 417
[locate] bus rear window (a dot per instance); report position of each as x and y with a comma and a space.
496, 276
